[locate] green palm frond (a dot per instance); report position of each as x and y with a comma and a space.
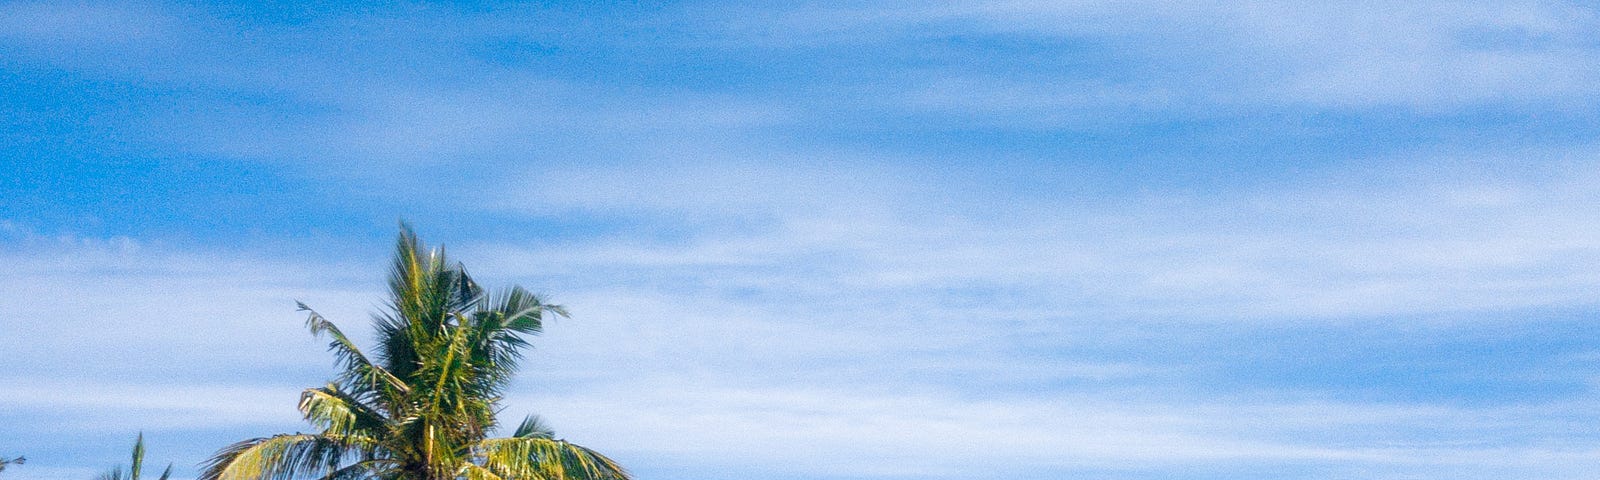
339, 413
284, 457
533, 427
500, 321
534, 457
359, 371
138, 457
470, 471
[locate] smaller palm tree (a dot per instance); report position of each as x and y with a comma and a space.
133, 472
423, 405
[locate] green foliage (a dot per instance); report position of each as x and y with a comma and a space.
137, 468
422, 407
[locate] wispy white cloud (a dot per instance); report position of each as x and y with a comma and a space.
1417, 246
848, 340
1430, 56
362, 97
861, 432
335, 106
89, 308
513, 119
101, 405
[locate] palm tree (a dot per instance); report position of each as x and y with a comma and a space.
134, 470
423, 406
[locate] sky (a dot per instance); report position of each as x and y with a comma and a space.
833, 240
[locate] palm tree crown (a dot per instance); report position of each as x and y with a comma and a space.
421, 408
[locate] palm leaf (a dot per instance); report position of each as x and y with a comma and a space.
138, 457
362, 372
470, 471
533, 427
11, 461
363, 469
533, 457
339, 413
283, 457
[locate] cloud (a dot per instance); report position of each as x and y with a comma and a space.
347, 96
1191, 58
899, 337
383, 99
1433, 55
80, 25
109, 336
99, 405
1455, 243
88, 308
717, 181
862, 432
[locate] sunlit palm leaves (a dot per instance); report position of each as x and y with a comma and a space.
422, 405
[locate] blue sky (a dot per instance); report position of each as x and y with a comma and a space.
888, 240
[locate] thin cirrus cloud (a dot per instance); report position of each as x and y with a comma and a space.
718, 383
1454, 243
1348, 55
83, 24
842, 433
756, 324
329, 100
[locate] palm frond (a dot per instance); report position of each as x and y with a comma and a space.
464, 291
284, 457
366, 469
138, 457
339, 413
533, 427
532, 457
524, 311
416, 292
499, 324
470, 471
11, 461
361, 371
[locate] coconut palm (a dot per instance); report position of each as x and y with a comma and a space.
422, 406
137, 467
